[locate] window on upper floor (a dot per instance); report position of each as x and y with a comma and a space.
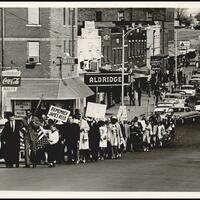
71, 16
33, 16
64, 16
121, 16
33, 52
98, 16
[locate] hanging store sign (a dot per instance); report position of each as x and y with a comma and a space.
105, 79
11, 81
11, 78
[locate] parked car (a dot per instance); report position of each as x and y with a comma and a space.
183, 114
176, 98
197, 105
189, 89
195, 82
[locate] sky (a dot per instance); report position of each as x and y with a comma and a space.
193, 11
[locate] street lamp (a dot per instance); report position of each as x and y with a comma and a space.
123, 36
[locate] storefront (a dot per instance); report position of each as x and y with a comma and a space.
106, 86
39, 94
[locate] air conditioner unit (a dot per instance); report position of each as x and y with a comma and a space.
33, 59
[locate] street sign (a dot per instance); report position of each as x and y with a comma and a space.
9, 89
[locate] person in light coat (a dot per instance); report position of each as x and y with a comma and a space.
161, 133
53, 138
103, 139
147, 135
84, 139
115, 136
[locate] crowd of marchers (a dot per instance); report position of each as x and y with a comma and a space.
80, 139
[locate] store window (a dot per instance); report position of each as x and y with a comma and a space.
33, 16
121, 16
64, 16
98, 16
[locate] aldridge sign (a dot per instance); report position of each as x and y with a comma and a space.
105, 79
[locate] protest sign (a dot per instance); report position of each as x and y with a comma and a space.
96, 110
58, 113
122, 113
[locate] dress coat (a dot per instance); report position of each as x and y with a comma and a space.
32, 130
115, 134
84, 138
11, 140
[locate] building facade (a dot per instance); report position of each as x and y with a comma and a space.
42, 44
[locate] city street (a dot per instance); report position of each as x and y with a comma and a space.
174, 168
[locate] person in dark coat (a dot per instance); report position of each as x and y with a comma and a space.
31, 126
11, 141
71, 135
94, 139
139, 96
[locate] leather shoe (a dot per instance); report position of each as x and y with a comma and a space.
27, 166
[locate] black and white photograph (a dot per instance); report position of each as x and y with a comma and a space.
100, 99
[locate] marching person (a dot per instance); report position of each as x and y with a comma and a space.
94, 138
147, 135
103, 139
53, 138
84, 139
31, 127
11, 140
71, 135
114, 136
161, 133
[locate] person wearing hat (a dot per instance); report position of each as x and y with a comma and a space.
53, 138
115, 136
84, 139
11, 140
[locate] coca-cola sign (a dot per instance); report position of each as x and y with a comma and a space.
11, 81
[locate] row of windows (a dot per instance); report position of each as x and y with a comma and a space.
120, 16
34, 16
34, 48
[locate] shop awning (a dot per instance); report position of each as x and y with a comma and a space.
51, 89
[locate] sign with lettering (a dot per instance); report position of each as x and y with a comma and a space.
96, 110
11, 81
9, 89
105, 79
20, 107
13, 72
58, 114
122, 113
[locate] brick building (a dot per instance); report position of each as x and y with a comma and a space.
42, 44
111, 22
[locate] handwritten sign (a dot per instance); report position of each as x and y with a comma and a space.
58, 113
96, 110
122, 113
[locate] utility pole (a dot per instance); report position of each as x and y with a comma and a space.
123, 35
2, 59
176, 63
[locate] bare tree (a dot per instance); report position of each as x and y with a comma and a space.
181, 13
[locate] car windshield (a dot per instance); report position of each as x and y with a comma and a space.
187, 87
178, 109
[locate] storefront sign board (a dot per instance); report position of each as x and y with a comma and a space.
105, 79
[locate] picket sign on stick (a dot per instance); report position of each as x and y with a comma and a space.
58, 113
96, 110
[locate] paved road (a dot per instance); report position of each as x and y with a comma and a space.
174, 168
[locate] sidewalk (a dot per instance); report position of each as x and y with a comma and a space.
147, 106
